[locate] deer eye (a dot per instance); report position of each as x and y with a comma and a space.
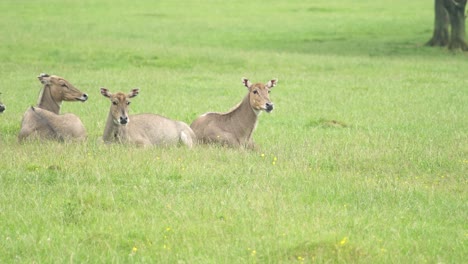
255, 92
128, 103
114, 103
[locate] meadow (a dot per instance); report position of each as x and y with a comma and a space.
363, 160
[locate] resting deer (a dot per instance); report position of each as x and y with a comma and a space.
44, 121
235, 128
141, 129
2, 107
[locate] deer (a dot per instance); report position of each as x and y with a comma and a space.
235, 128
2, 107
44, 120
142, 129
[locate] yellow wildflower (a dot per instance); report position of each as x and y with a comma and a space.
344, 241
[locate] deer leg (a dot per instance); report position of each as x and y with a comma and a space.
251, 145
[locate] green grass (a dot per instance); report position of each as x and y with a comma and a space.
363, 160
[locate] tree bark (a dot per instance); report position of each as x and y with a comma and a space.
456, 10
440, 36
449, 14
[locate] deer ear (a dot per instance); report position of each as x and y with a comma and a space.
105, 92
43, 78
246, 82
272, 83
133, 93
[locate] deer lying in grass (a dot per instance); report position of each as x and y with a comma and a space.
44, 121
142, 129
2, 107
235, 128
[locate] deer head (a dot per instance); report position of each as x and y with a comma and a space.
259, 95
119, 105
60, 89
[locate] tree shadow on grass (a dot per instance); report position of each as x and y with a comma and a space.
344, 46
323, 252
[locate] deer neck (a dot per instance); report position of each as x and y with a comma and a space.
114, 132
111, 129
47, 102
244, 118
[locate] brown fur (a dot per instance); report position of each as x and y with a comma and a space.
44, 121
235, 128
142, 129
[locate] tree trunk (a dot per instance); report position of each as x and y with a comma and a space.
440, 37
456, 10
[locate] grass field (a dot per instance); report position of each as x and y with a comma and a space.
364, 160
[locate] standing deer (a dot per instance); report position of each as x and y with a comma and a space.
235, 128
142, 129
44, 121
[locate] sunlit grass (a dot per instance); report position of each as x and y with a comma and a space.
364, 158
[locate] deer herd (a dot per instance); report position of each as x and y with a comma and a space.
230, 129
